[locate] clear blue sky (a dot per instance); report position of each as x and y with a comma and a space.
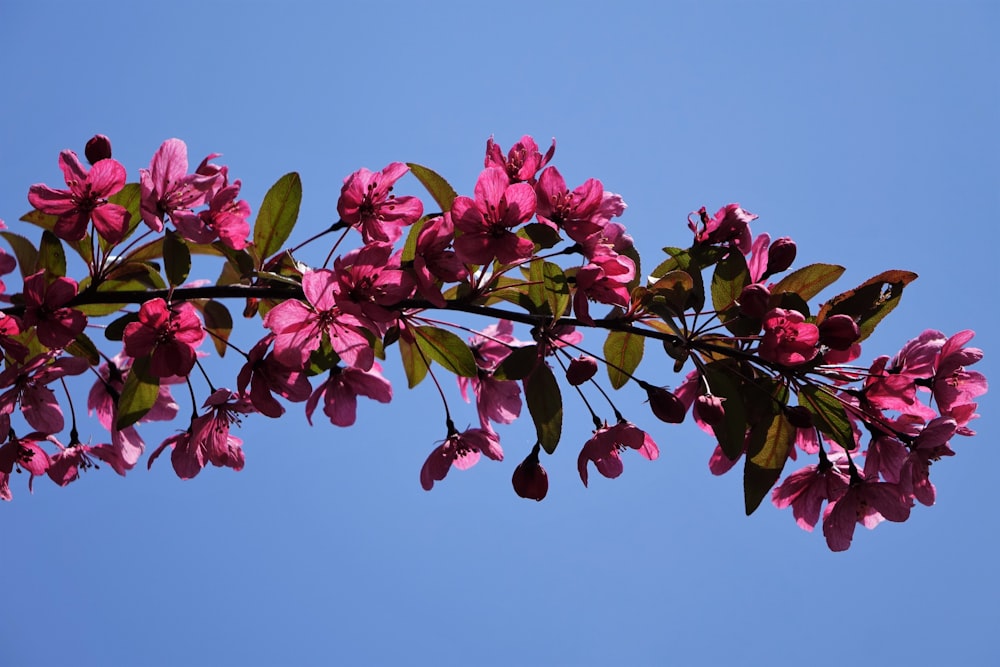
865, 131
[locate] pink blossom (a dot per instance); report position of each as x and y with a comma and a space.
954, 387
56, 325
522, 161
788, 339
434, 259
577, 212
21, 454
300, 328
265, 374
167, 334
85, 200
370, 282
341, 390
865, 502
207, 439
487, 221
729, 226
461, 450
806, 489
605, 279
929, 446
605, 447
498, 401
365, 204
530, 479
168, 190
28, 388
225, 219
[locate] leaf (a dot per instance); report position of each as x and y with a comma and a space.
176, 258
24, 251
130, 197
51, 255
84, 348
219, 323
541, 393
536, 288
829, 415
623, 350
556, 288
129, 276
728, 280
410, 245
869, 302
674, 288
138, 394
809, 281
414, 364
277, 215
541, 235
731, 433
48, 222
438, 188
116, 330
447, 349
757, 482
518, 364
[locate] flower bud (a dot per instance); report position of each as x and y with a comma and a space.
708, 408
799, 416
839, 332
98, 148
754, 300
665, 405
581, 369
530, 479
780, 255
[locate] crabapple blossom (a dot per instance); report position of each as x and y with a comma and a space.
461, 450
367, 205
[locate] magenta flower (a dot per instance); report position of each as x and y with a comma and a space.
954, 387
299, 328
729, 226
865, 502
487, 221
523, 160
365, 204
434, 259
605, 279
21, 454
207, 439
498, 401
805, 490
929, 446
578, 212
265, 374
788, 339
605, 448
341, 390
28, 388
461, 450
530, 479
85, 200
369, 283
168, 190
225, 219
168, 335
45, 309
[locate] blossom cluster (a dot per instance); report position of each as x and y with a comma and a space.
549, 253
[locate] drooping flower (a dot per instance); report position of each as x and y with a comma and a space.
530, 479
167, 334
605, 447
21, 454
85, 200
866, 502
805, 490
341, 390
265, 374
487, 222
953, 386
366, 204
28, 388
56, 325
497, 400
461, 450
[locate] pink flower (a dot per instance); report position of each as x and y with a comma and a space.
370, 282
605, 279
21, 454
604, 449
85, 200
581, 369
498, 401
208, 439
865, 502
729, 226
929, 446
523, 160
806, 489
487, 221
461, 450
167, 334
265, 374
341, 390
225, 219
28, 389
434, 260
45, 309
299, 328
788, 339
168, 190
365, 203
577, 212
954, 387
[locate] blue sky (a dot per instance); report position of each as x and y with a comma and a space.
865, 131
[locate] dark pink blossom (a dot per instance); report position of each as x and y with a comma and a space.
581, 369
366, 204
498, 401
370, 282
578, 213
265, 374
788, 339
461, 450
805, 490
168, 190
953, 386
435, 260
729, 226
167, 334
207, 439
341, 390
487, 222
605, 280
21, 454
225, 219
56, 325
866, 502
85, 200
27, 386
523, 160
929, 446
605, 447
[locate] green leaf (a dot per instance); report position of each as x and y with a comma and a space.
623, 350
116, 330
757, 482
218, 322
277, 215
447, 349
48, 222
541, 393
809, 281
828, 414
84, 348
518, 364
541, 235
176, 258
869, 302
129, 276
410, 245
723, 379
24, 251
438, 188
131, 198
138, 394
728, 280
51, 255
414, 364
556, 288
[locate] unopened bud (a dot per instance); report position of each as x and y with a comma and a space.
708, 408
839, 332
98, 148
799, 416
581, 369
530, 479
665, 405
754, 300
780, 255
